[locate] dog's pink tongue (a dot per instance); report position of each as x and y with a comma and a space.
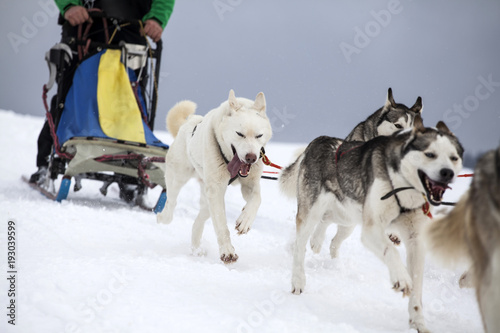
234, 166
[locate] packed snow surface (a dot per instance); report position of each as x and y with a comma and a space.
94, 264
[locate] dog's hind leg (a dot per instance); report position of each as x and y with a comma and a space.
307, 218
199, 223
343, 232
410, 228
174, 182
319, 235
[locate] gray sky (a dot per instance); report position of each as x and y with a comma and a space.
323, 65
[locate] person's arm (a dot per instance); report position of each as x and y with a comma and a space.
160, 12
73, 11
157, 18
64, 5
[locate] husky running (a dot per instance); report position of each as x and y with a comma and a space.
383, 182
219, 148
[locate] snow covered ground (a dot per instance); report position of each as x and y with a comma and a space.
93, 264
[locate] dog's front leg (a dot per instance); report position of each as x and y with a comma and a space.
376, 218
251, 194
410, 225
214, 192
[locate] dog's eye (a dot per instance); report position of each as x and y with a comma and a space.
454, 158
430, 155
398, 126
259, 136
240, 134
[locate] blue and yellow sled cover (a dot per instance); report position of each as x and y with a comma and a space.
102, 104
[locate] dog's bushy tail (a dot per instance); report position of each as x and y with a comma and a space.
289, 176
446, 237
178, 115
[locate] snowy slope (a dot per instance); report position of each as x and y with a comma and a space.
92, 264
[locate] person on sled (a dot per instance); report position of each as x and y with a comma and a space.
153, 13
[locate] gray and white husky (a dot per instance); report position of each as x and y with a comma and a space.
381, 183
388, 119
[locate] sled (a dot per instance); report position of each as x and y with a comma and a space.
102, 123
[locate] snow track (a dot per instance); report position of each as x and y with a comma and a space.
93, 264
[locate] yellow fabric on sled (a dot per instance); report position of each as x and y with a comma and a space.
119, 113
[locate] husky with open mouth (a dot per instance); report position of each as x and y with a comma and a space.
384, 182
222, 147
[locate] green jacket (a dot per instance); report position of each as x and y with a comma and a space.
160, 9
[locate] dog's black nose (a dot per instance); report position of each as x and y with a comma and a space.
250, 158
446, 174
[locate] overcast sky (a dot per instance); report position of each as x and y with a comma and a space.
323, 65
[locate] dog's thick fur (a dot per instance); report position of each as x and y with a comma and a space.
388, 119
350, 191
223, 145
471, 232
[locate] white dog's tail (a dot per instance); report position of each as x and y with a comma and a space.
289, 177
178, 115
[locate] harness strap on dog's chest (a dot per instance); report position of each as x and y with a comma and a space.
425, 207
393, 192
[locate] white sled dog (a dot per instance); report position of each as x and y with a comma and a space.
221, 147
471, 232
380, 183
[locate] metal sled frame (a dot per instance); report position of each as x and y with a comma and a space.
109, 160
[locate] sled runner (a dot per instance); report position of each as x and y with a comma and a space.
102, 121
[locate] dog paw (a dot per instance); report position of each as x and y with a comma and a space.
395, 239
403, 287
229, 258
316, 245
334, 252
243, 226
164, 217
402, 282
298, 284
417, 321
419, 326
198, 252
465, 280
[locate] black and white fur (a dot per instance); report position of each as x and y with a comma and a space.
349, 192
388, 119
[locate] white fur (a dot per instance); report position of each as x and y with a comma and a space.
444, 152
195, 152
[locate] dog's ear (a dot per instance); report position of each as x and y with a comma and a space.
390, 100
233, 102
418, 124
260, 103
443, 128
417, 107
